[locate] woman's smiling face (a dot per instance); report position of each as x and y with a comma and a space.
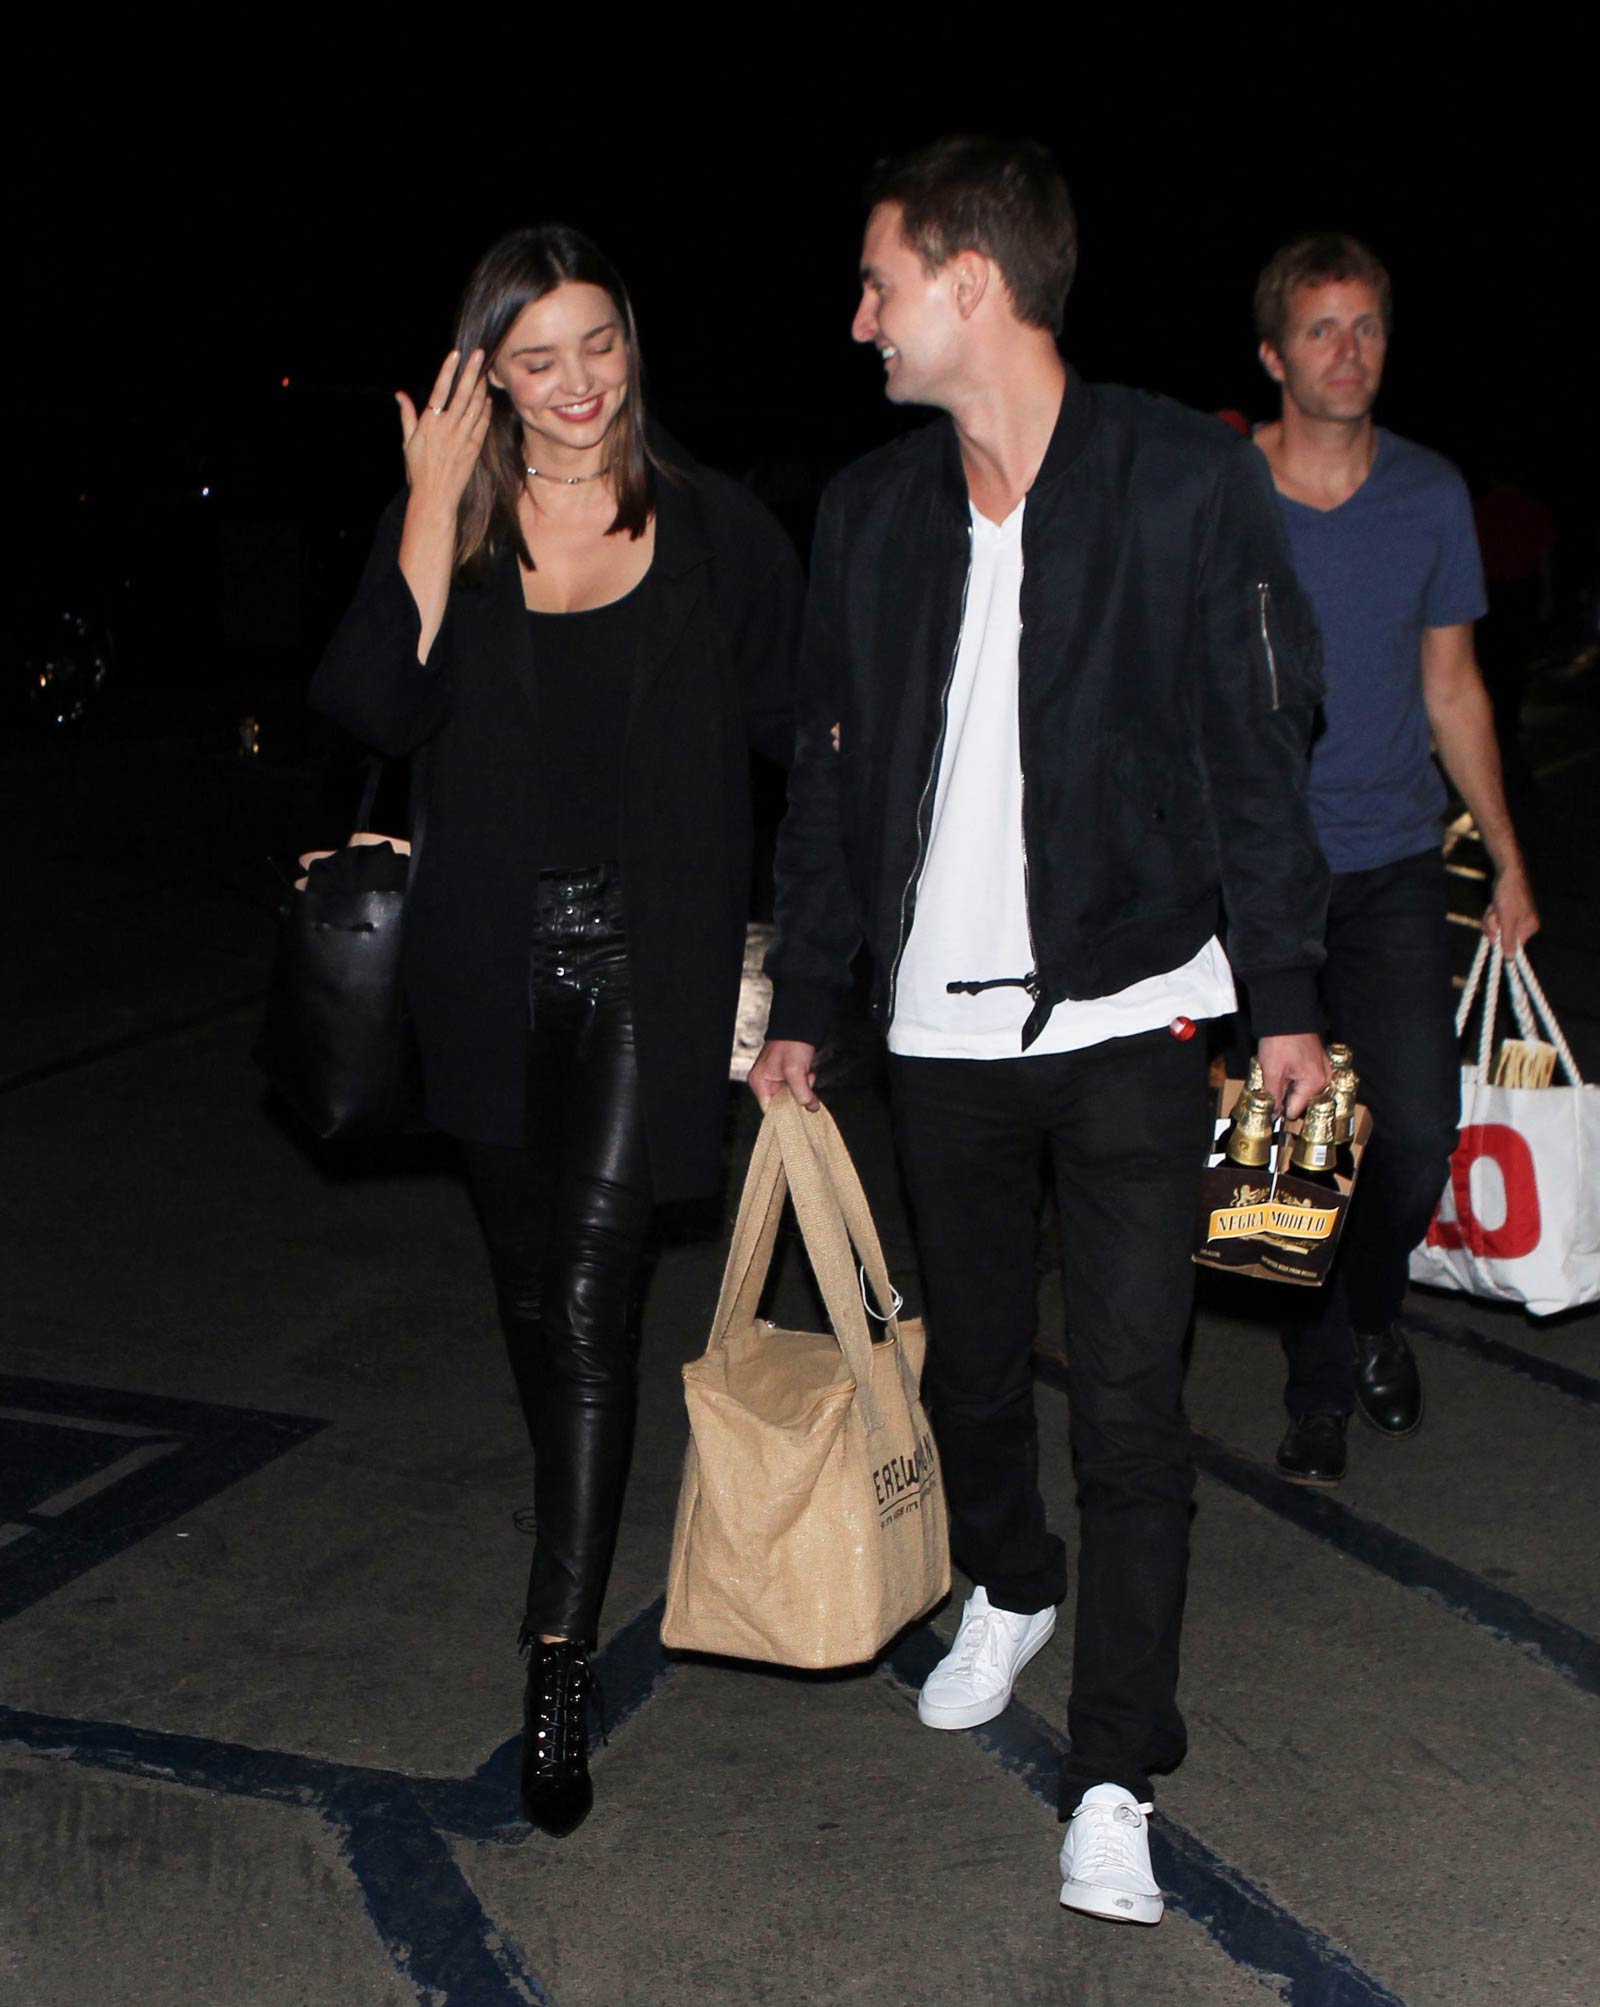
564, 366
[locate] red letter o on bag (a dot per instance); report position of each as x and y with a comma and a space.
1518, 1232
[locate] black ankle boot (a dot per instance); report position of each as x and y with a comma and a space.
556, 1791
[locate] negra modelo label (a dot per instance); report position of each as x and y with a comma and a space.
902, 1481
1285, 1216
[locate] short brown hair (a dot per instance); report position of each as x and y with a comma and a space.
1317, 259
1004, 198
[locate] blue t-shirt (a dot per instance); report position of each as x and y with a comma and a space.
1399, 556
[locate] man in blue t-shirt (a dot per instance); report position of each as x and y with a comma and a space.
1383, 544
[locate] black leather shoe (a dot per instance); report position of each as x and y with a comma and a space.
556, 1791
1388, 1385
1313, 1452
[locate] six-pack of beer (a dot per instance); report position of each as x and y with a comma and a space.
1273, 1195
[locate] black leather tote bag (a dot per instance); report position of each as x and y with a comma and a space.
336, 1041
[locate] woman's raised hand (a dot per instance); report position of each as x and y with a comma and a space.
442, 443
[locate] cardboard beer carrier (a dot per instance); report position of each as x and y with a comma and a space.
1270, 1222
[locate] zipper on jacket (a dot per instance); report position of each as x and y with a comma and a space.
909, 889
1022, 831
1263, 601
1032, 982
1039, 1016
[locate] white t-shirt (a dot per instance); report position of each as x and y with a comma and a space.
971, 921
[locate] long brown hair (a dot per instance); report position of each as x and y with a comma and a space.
510, 275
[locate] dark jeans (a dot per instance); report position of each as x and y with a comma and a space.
1127, 1124
566, 1218
1388, 995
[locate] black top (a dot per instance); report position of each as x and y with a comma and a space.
717, 616
583, 666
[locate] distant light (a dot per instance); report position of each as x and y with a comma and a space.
284, 381
204, 492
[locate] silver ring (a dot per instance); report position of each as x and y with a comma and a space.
437, 410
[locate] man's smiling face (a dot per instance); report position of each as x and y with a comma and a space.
907, 313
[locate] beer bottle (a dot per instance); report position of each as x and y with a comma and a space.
1247, 1150
1345, 1087
1316, 1148
1247, 1140
1282, 1250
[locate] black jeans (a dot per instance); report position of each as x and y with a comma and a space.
1127, 1124
1388, 995
566, 1218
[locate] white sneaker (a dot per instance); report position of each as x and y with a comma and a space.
973, 1681
1105, 1858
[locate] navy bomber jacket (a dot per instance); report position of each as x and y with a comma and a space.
1170, 673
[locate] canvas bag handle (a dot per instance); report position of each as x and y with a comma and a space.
822, 1132
755, 1233
781, 1139
843, 1198
1523, 984
786, 1161
781, 1164
1520, 973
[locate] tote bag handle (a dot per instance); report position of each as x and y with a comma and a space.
1523, 985
802, 1155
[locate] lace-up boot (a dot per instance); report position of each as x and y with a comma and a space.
973, 1681
556, 1791
1105, 1858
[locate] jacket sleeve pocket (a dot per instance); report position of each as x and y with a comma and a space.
1286, 643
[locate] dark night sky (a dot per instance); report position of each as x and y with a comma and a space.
223, 252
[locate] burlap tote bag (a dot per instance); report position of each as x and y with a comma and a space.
811, 1522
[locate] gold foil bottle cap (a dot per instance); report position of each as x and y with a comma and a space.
1316, 1144
1250, 1138
1345, 1085
1253, 1111
1340, 1055
1252, 1078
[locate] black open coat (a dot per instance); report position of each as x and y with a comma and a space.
714, 676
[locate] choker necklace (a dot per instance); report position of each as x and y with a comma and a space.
566, 480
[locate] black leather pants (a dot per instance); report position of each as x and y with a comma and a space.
566, 1218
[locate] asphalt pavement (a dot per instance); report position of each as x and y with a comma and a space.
260, 1577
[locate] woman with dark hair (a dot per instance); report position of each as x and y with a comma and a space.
578, 633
